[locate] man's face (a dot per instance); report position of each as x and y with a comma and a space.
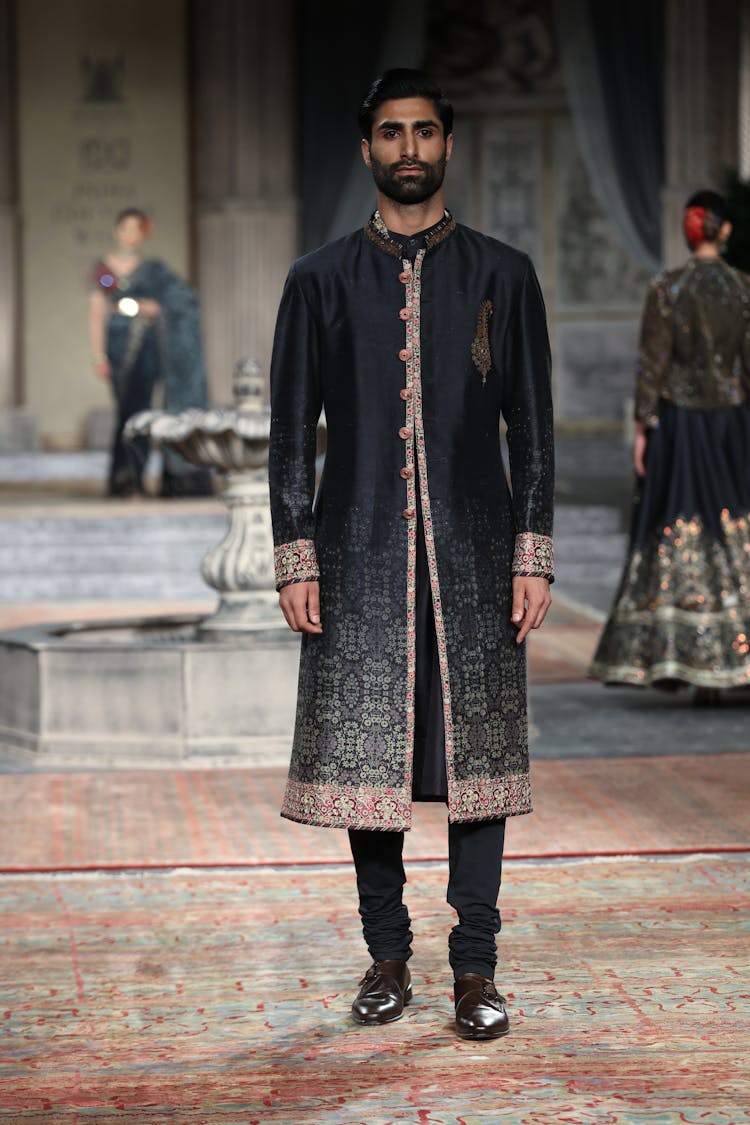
407, 153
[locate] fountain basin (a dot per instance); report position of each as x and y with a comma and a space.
148, 692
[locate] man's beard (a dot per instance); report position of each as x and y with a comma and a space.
408, 189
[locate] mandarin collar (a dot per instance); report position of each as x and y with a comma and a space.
377, 232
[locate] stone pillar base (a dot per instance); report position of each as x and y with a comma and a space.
18, 430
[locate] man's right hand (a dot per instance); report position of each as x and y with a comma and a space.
300, 604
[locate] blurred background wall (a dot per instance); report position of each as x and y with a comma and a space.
581, 127
101, 125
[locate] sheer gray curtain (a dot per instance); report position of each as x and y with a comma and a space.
612, 56
340, 55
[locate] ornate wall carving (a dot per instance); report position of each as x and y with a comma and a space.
592, 268
493, 47
594, 366
511, 177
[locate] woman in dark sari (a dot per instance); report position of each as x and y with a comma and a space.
144, 325
682, 612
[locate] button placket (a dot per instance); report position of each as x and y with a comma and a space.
407, 395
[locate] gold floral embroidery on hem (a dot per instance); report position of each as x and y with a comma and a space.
485, 798
480, 348
533, 556
295, 562
390, 810
347, 806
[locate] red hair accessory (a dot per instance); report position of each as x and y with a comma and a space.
693, 225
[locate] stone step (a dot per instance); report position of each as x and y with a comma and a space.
586, 519
110, 558
94, 530
582, 549
150, 555
105, 586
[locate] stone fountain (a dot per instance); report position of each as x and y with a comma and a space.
161, 691
234, 441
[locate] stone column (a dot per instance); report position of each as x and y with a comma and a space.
685, 118
244, 135
10, 383
702, 92
744, 92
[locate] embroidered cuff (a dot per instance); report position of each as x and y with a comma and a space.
295, 562
533, 556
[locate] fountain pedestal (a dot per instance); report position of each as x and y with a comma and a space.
240, 568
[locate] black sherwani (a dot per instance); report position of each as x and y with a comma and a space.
414, 364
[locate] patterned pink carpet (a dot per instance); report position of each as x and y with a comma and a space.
210, 998
165, 818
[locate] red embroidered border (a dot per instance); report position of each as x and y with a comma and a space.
295, 562
342, 806
533, 556
485, 798
412, 304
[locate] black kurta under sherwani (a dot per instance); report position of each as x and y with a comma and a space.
413, 363
682, 611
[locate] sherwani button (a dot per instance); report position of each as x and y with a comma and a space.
409, 513
405, 433
406, 393
405, 314
404, 276
406, 473
405, 353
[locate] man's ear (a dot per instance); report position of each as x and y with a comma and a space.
365, 149
448, 146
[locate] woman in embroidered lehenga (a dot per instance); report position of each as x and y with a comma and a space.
682, 611
144, 326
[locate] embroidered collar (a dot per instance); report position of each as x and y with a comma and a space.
377, 232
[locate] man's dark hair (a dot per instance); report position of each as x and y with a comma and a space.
403, 83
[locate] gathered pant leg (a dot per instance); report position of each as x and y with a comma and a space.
475, 857
475, 864
380, 882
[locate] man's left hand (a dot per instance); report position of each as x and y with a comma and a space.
531, 600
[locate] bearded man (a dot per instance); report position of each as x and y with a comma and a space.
414, 576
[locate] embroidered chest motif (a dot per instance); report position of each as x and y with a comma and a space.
480, 348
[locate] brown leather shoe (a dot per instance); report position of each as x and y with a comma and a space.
384, 992
480, 1010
